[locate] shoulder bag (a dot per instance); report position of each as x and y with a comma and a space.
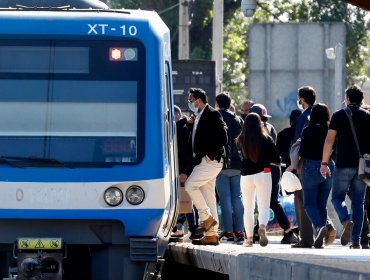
364, 160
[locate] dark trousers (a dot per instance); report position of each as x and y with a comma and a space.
274, 202
192, 219
304, 223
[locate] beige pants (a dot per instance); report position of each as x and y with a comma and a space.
200, 186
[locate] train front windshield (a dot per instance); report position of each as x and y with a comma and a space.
75, 102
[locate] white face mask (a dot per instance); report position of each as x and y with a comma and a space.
192, 107
299, 105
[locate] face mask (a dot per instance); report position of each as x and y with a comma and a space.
192, 107
300, 107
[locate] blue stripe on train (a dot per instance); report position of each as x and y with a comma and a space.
140, 172
137, 222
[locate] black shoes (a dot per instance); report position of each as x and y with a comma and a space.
320, 235
289, 238
301, 245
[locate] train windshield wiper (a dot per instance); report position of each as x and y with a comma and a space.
31, 161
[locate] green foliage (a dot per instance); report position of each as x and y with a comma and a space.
236, 29
235, 62
327, 11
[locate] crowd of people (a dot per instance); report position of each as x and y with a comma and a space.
236, 162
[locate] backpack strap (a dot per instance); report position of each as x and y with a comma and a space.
349, 115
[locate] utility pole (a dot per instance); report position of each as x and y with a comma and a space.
183, 29
217, 41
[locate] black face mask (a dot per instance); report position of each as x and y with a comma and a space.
243, 116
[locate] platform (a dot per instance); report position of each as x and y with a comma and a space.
276, 261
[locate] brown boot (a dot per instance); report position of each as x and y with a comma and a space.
207, 240
331, 235
205, 225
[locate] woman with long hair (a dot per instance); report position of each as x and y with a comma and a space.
259, 152
315, 187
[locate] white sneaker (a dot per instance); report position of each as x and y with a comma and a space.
248, 243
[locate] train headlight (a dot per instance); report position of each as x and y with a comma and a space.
113, 196
135, 195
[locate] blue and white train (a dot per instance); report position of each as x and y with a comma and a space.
87, 155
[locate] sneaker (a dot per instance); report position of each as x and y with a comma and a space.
320, 235
263, 238
248, 243
346, 232
207, 240
239, 237
330, 235
205, 225
178, 234
289, 238
195, 236
301, 245
186, 238
227, 237
355, 246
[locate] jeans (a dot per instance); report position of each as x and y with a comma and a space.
346, 179
228, 190
316, 191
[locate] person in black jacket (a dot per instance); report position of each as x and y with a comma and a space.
184, 161
208, 138
285, 137
228, 181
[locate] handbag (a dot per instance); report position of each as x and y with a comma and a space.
295, 159
364, 160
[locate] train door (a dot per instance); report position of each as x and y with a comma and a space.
170, 149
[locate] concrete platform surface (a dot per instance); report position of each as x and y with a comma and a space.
276, 261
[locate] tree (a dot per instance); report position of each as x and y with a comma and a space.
236, 30
327, 11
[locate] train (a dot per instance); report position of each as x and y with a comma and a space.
88, 168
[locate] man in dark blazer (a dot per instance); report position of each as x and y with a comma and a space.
209, 136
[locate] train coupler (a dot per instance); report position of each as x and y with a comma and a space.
39, 258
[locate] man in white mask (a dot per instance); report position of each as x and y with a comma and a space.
305, 100
209, 136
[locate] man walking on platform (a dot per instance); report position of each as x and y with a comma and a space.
346, 164
209, 136
306, 99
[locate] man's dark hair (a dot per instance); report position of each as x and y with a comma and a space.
355, 94
308, 94
223, 100
198, 93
